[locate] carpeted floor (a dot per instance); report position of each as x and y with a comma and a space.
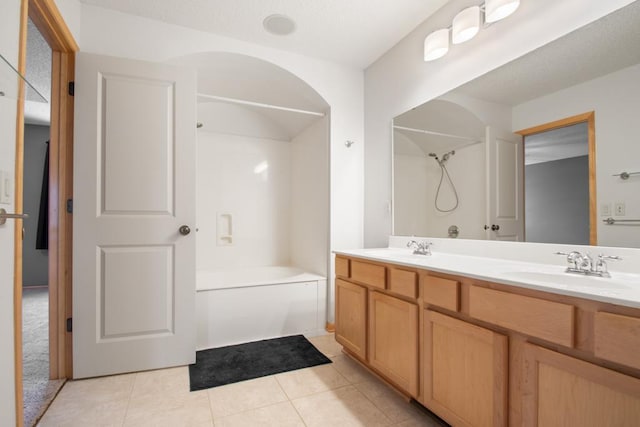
235, 363
39, 391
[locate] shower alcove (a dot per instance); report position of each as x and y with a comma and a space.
262, 243
439, 127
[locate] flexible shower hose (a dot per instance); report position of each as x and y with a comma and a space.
443, 171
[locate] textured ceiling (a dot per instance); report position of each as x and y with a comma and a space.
353, 32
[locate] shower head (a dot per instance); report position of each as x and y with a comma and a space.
446, 156
433, 155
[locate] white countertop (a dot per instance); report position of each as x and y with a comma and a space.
621, 288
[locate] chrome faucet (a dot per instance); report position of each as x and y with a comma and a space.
580, 263
420, 248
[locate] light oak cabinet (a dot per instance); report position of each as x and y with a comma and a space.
617, 338
464, 371
479, 353
351, 317
549, 320
560, 390
393, 340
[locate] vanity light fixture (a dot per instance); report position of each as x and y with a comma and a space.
466, 25
495, 10
436, 45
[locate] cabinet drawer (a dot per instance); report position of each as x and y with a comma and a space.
342, 267
444, 293
403, 282
617, 338
369, 274
551, 321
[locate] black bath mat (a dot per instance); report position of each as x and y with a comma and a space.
235, 363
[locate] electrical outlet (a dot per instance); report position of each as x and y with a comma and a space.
619, 208
605, 209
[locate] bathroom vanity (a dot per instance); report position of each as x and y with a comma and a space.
493, 342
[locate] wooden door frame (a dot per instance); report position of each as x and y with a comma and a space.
48, 19
589, 118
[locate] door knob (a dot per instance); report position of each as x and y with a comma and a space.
4, 216
184, 230
493, 227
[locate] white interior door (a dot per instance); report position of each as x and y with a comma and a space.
505, 186
134, 187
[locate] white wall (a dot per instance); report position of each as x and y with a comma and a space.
248, 178
35, 261
615, 98
401, 80
9, 33
410, 194
71, 11
310, 198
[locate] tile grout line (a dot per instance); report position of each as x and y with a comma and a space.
126, 411
213, 421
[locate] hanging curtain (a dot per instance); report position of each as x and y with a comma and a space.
42, 237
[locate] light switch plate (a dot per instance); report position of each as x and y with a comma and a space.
5, 187
605, 209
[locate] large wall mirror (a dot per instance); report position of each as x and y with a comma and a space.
535, 151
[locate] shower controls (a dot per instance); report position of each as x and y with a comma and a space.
184, 230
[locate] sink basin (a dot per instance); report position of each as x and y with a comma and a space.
569, 280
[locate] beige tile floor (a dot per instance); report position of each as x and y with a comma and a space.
337, 395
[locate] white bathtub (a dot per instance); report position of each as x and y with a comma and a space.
249, 304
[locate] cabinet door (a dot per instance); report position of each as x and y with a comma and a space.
464, 372
393, 340
351, 317
560, 390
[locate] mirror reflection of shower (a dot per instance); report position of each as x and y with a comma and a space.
443, 171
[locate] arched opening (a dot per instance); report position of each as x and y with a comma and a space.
262, 201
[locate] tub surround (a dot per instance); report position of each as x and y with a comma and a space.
239, 305
504, 338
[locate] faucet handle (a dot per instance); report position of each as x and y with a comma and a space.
601, 266
602, 257
573, 257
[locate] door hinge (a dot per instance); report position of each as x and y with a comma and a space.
72, 88
70, 205
69, 324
